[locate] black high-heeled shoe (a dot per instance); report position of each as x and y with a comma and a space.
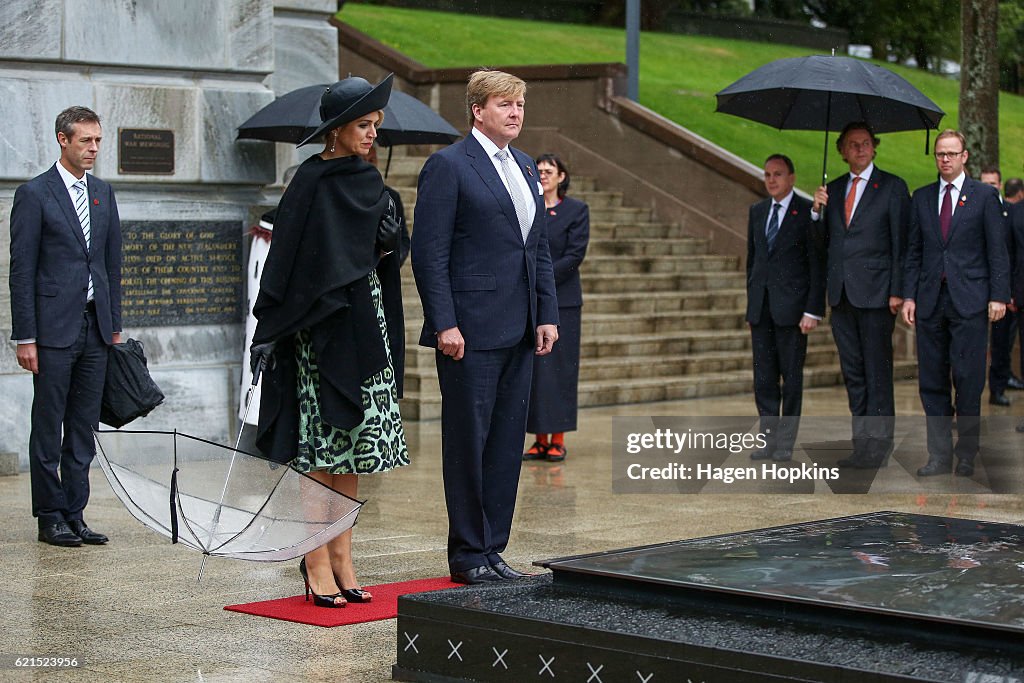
320, 600
353, 594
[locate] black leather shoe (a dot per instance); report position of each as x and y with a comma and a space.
1015, 383
59, 534
476, 575
998, 399
964, 468
506, 572
761, 454
934, 467
782, 456
86, 534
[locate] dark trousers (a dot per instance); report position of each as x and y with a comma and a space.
951, 357
68, 391
484, 400
779, 353
864, 339
999, 370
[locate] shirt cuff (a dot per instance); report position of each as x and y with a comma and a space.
26, 341
811, 315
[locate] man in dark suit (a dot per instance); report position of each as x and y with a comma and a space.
66, 309
865, 217
483, 271
1003, 332
1017, 268
785, 301
957, 279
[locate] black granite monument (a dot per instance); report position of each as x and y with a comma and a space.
877, 597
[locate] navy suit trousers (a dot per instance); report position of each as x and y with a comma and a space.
68, 392
484, 401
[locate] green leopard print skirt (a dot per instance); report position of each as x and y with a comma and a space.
377, 444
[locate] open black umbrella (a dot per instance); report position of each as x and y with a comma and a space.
294, 115
825, 93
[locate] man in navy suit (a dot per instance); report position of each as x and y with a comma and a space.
483, 271
65, 284
865, 215
785, 301
957, 280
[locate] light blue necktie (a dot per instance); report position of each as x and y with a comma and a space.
518, 200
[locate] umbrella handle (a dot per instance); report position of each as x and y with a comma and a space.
824, 161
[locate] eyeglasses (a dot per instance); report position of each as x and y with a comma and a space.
944, 156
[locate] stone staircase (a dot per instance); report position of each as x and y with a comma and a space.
662, 316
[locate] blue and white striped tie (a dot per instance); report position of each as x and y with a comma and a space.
82, 208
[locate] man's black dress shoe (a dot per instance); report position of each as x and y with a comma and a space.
933, 468
59, 534
1015, 383
484, 574
506, 572
964, 468
782, 456
998, 399
761, 454
86, 534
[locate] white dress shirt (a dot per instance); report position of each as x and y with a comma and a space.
491, 149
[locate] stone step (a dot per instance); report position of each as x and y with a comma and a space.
647, 247
596, 283
629, 231
426, 405
619, 214
664, 302
675, 342
632, 265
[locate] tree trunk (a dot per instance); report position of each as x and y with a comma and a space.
979, 83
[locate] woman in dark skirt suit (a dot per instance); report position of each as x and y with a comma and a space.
553, 394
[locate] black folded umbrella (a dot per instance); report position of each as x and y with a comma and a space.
826, 93
128, 390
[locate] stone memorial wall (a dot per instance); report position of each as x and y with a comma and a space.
170, 82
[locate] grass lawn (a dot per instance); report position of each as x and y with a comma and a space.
679, 76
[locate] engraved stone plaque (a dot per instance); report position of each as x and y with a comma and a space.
181, 273
145, 151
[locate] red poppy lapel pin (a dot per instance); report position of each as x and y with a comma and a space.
95, 202
963, 200
552, 212
874, 185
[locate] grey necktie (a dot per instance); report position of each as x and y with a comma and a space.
518, 200
82, 208
773, 226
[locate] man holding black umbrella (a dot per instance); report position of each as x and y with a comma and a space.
865, 216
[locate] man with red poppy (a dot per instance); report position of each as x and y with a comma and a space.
66, 310
785, 301
865, 215
956, 280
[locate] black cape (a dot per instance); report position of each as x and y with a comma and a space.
315, 278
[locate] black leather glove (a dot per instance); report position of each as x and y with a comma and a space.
389, 230
261, 356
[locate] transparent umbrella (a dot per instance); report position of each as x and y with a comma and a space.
219, 500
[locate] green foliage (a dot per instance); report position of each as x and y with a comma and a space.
679, 76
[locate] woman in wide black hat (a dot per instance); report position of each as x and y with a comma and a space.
330, 326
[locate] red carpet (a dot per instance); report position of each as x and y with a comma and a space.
384, 605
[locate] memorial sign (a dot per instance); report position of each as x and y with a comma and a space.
181, 273
145, 151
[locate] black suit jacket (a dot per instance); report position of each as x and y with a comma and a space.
1016, 221
865, 258
471, 266
568, 227
974, 260
50, 263
793, 273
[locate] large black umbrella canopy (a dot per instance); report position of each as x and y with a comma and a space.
825, 93
296, 114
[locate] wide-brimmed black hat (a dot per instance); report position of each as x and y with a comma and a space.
347, 100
